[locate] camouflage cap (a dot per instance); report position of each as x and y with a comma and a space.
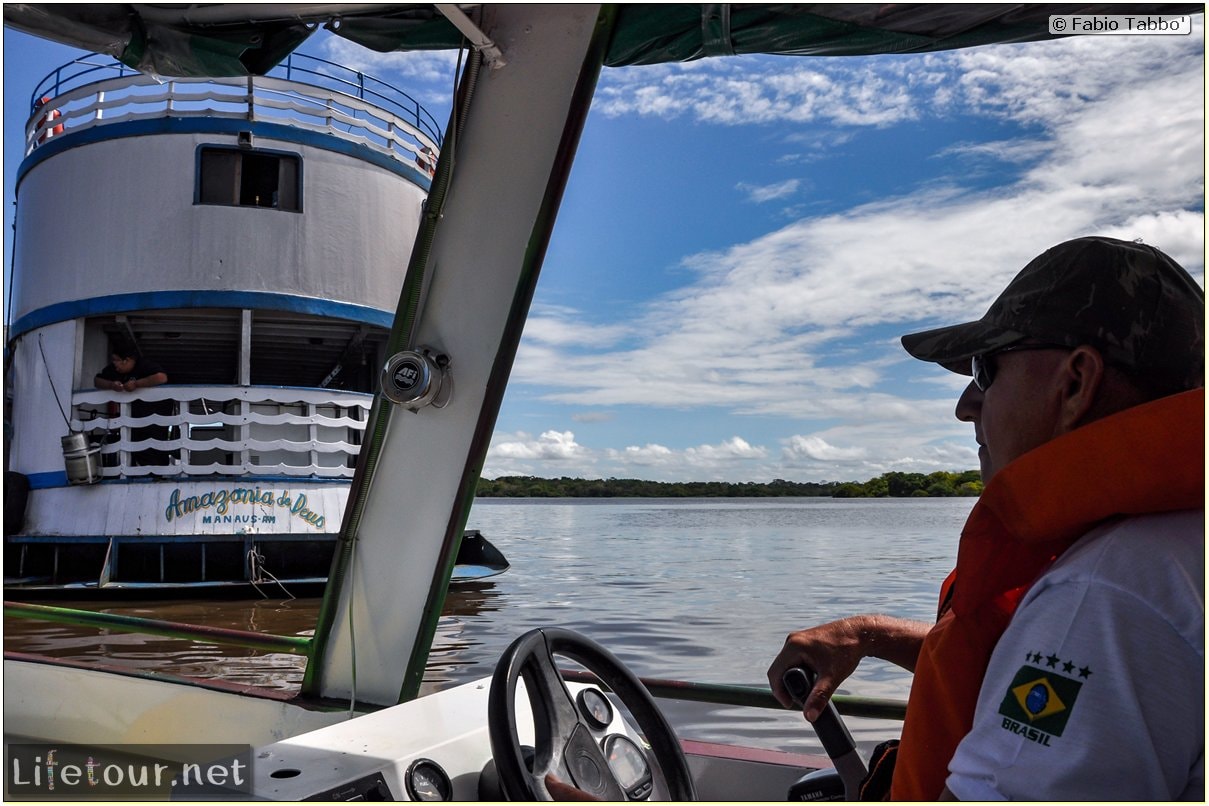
1132, 302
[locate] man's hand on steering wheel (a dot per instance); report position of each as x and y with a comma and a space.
565, 792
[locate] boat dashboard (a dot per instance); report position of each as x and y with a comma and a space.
438, 748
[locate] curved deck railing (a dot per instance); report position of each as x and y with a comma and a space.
224, 430
302, 91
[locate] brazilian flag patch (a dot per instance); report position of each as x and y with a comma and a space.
1039, 702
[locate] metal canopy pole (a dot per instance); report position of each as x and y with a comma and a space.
512, 160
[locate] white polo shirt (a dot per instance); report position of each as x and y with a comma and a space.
1096, 690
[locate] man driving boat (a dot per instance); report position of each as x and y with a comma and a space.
1067, 661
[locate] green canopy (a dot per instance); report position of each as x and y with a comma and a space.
239, 39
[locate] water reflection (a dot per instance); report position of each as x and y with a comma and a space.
457, 646
196, 658
701, 590
454, 647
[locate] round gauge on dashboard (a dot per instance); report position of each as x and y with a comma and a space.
595, 707
426, 781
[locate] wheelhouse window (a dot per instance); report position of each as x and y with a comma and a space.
249, 178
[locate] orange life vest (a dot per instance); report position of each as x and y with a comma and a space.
1146, 459
53, 115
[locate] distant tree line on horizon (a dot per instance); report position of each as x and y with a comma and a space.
941, 484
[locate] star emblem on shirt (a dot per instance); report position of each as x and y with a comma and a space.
1053, 661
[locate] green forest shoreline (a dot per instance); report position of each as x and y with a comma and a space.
942, 484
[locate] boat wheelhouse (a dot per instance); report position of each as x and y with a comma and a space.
250, 237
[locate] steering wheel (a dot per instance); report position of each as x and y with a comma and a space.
565, 745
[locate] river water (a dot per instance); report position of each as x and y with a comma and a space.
692, 589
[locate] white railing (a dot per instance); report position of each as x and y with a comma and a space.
406, 136
227, 430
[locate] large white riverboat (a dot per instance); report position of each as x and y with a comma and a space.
250, 237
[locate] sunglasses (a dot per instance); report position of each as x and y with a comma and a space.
982, 366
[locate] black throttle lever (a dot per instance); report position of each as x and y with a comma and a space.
831, 730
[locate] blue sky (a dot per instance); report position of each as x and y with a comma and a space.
743, 240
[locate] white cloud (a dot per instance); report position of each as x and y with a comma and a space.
1022, 151
819, 449
762, 193
561, 326
732, 458
645, 455
593, 417
732, 449
746, 90
815, 456
735, 449
550, 446
1035, 82
435, 66
1044, 82
558, 453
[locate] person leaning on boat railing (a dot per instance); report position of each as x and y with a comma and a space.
1067, 661
128, 371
